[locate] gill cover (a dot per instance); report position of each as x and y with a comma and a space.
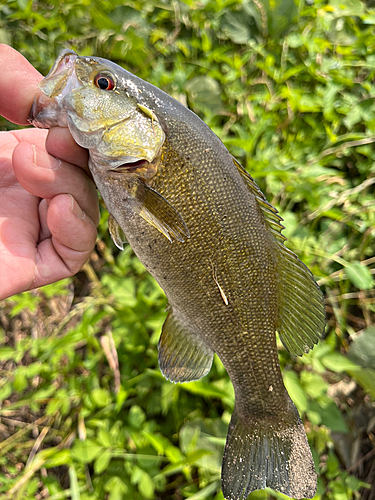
123, 136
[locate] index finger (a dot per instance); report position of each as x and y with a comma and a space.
18, 85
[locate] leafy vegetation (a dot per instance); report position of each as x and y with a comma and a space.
85, 413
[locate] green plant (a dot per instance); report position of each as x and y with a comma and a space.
85, 411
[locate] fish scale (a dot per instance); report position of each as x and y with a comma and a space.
203, 229
232, 321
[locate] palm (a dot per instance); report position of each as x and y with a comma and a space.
41, 242
19, 212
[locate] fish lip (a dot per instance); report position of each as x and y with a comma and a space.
46, 108
34, 111
131, 166
65, 58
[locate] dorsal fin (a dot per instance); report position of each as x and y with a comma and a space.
271, 215
301, 319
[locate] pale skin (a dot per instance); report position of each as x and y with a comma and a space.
48, 204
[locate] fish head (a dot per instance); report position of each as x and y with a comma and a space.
90, 96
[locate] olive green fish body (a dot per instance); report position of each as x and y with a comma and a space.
206, 233
227, 242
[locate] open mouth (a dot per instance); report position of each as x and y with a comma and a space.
133, 167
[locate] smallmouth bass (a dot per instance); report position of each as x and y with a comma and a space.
202, 227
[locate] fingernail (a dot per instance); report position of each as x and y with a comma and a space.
44, 160
76, 209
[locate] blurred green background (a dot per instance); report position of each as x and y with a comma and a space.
289, 88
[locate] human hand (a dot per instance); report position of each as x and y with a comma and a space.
48, 204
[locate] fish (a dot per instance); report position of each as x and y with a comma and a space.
204, 230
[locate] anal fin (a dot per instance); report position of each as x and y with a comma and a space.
183, 356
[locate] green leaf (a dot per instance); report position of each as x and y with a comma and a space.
347, 7
204, 92
25, 300
116, 487
314, 384
206, 492
194, 456
204, 389
104, 438
359, 275
236, 26
136, 416
146, 486
355, 484
61, 457
362, 348
295, 390
102, 461
7, 353
123, 289
101, 397
366, 379
158, 442
5, 391
336, 362
86, 451
330, 415
168, 395
74, 489
20, 381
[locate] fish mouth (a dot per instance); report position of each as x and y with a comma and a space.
46, 110
61, 78
132, 167
121, 139
140, 168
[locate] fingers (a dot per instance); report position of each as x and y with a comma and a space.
46, 177
61, 144
32, 135
58, 142
18, 84
73, 238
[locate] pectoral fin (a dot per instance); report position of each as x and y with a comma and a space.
116, 232
156, 210
183, 356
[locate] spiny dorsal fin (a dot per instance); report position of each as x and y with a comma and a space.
156, 210
183, 356
301, 321
270, 213
116, 232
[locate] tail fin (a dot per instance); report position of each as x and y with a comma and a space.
267, 452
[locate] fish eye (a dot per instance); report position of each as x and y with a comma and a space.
104, 82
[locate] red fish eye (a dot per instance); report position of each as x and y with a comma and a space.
104, 82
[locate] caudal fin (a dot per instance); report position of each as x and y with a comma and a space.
265, 452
